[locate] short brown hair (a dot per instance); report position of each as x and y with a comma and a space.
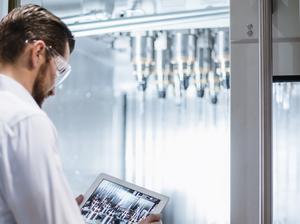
30, 22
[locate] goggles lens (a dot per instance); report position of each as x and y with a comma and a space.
63, 68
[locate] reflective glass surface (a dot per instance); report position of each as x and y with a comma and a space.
182, 151
286, 153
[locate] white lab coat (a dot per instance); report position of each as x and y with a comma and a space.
33, 188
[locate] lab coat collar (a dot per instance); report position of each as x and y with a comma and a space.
14, 87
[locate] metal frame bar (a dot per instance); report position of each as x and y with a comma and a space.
286, 78
265, 110
13, 4
218, 16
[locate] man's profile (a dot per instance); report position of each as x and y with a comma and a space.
35, 47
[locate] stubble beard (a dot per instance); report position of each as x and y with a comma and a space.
40, 92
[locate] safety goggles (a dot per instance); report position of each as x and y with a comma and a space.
63, 68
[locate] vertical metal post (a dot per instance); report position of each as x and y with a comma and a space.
13, 4
124, 135
265, 110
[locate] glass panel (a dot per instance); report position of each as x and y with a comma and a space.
286, 108
177, 123
286, 153
183, 152
83, 112
177, 144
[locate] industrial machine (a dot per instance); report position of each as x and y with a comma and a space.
181, 58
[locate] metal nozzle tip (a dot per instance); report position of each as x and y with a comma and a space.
185, 83
162, 94
214, 100
142, 86
200, 93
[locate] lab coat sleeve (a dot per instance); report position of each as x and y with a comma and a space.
33, 185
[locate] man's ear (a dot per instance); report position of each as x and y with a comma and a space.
37, 54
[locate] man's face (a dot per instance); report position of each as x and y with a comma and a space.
45, 80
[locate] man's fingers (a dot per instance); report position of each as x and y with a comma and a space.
151, 218
79, 199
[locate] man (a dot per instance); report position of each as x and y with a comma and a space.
35, 47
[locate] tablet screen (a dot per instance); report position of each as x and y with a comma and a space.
116, 204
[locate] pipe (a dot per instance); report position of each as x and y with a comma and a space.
265, 110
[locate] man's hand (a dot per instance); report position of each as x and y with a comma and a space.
79, 199
150, 219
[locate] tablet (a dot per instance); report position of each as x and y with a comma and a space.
114, 201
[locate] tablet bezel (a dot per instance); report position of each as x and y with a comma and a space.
156, 210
